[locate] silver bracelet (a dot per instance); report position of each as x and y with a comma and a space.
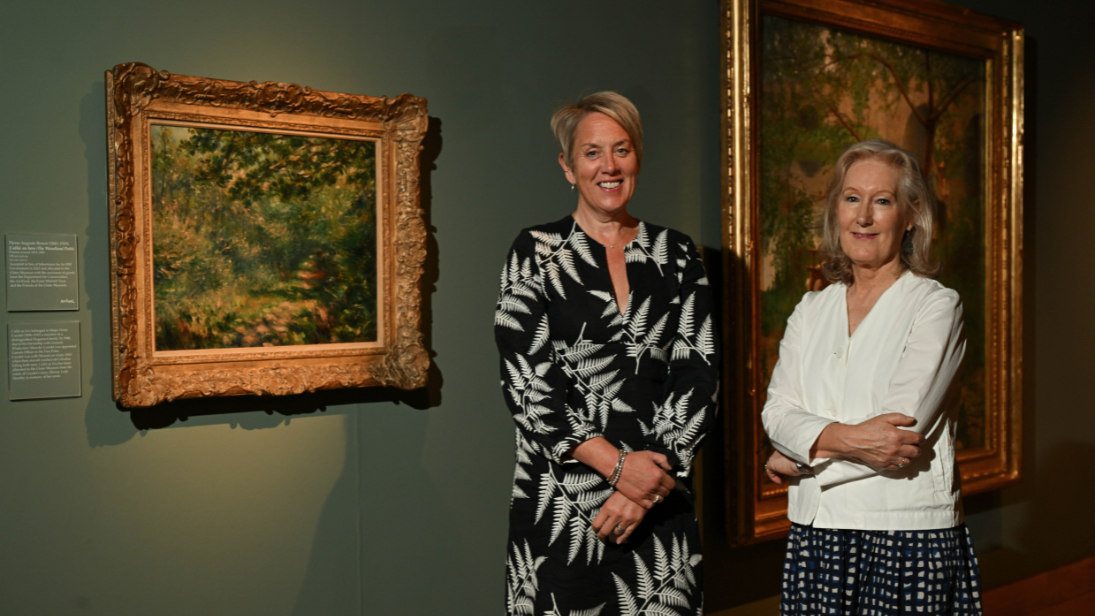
619, 468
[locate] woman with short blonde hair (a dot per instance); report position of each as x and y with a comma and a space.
609, 360
564, 123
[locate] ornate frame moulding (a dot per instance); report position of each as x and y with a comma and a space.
140, 98
756, 508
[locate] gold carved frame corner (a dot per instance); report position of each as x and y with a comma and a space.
143, 376
756, 513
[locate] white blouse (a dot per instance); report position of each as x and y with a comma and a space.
902, 359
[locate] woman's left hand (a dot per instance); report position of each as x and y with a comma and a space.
619, 516
779, 464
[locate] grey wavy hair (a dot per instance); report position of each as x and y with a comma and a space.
913, 196
564, 123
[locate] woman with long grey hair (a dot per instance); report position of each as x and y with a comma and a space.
858, 409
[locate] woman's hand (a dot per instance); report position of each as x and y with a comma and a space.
779, 464
645, 474
619, 516
645, 478
878, 442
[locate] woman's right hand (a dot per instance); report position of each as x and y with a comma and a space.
617, 519
644, 476
779, 466
645, 473
878, 442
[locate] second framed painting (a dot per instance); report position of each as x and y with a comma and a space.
803, 79
266, 238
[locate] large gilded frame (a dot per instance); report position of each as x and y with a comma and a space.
756, 510
137, 94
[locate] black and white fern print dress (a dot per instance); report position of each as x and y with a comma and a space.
574, 368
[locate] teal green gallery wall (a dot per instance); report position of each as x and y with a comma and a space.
367, 506
377, 503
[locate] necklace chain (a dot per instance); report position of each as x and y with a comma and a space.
610, 245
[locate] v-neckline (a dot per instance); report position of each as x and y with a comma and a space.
848, 337
623, 310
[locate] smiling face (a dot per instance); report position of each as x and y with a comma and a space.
605, 165
872, 224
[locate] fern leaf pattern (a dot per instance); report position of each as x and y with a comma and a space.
576, 365
678, 425
525, 452
555, 611
574, 500
693, 341
640, 340
642, 250
521, 582
519, 285
665, 588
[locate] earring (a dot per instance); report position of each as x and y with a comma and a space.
906, 243
572, 188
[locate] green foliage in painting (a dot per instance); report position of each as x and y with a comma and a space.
262, 239
823, 90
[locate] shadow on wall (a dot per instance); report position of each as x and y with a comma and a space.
379, 494
985, 512
105, 426
386, 528
1057, 529
742, 575
1055, 534
1055, 514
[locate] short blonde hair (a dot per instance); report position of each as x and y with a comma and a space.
913, 194
564, 123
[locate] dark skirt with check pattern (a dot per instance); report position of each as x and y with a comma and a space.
880, 573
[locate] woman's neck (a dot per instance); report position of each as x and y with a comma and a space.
868, 282
607, 228
866, 289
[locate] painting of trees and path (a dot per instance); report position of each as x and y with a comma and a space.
823, 89
262, 239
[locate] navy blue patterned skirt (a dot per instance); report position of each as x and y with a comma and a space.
880, 573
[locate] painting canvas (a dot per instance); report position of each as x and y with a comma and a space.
806, 78
262, 239
823, 89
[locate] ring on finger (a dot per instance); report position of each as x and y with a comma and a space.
620, 530
903, 462
657, 498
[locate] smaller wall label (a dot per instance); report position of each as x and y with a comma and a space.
42, 272
44, 360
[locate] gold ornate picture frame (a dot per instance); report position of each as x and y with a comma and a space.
265, 238
805, 78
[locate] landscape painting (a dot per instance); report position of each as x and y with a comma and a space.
822, 89
266, 238
262, 239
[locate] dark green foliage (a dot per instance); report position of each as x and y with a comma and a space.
823, 90
262, 239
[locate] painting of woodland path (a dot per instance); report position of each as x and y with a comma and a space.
822, 90
262, 239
